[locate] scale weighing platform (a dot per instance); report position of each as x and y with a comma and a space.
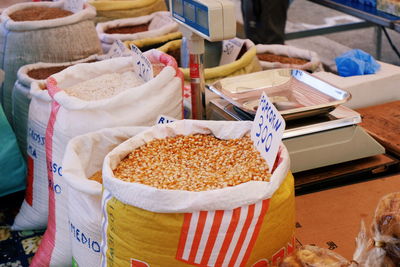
316, 141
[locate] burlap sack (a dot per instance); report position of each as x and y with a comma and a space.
56, 40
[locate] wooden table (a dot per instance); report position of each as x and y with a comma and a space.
383, 123
331, 218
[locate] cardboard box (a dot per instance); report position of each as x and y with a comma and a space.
331, 219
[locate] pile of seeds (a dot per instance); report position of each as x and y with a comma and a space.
39, 13
104, 86
97, 176
282, 59
128, 29
194, 163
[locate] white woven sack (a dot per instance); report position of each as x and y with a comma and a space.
21, 97
161, 23
83, 157
71, 116
34, 209
163, 201
56, 40
313, 65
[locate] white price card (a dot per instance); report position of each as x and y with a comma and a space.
162, 119
267, 130
230, 50
142, 64
118, 49
74, 5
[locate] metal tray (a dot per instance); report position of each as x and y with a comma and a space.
295, 93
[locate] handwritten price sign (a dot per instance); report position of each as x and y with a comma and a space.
267, 130
142, 64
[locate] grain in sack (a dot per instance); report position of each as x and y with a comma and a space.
118, 9
21, 97
286, 56
42, 39
149, 26
82, 164
215, 220
71, 116
12, 165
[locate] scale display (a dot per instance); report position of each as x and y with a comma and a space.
213, 20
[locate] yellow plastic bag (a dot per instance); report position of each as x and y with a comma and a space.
251, 224
154, 42
247, 63
110, 9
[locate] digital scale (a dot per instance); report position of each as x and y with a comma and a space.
312, 142
316, 141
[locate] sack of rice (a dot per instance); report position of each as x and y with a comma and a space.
154, 42
286, 56
34, 209
197, 193
12, 165
149, 26
21, 97
118, 9
92, 96
246, 62
43, 32
82, 164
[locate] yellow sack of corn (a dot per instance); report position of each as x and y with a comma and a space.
118, 9
247, 63
250, 224
154, 42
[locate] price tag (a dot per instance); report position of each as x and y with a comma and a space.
230, 50
142, 64
74, 5
118, 49
160, 20
267, 130
165, 119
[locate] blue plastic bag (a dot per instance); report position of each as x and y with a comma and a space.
12, 165
356, 62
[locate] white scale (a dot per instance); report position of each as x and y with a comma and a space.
312, 143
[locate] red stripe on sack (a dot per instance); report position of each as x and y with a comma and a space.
264, 209
43, 255
29, 181
184, 234
199, 232
219, 214
242, 237
228, 237
278, 160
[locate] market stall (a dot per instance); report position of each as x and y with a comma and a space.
162, 157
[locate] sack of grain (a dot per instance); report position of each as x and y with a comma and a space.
154, 42
244, 216
56, 35
149, 26
246, 63
12, 165
92, 96
34, 210
118, 9
286, 56
21, 97
82, 165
